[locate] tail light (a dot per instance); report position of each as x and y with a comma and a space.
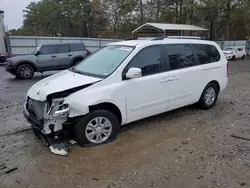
88, 53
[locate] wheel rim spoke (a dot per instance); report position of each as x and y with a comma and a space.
210, 96
98, 130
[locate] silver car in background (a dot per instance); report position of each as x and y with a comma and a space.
46, 58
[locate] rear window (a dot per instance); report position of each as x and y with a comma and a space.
206, 53
77, 47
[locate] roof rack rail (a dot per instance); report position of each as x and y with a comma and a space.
184, 37
159, 38
176, 37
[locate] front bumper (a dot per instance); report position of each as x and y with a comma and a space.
229, 56
11, 70
36, 124
48, 125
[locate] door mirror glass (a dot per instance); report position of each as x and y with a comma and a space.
134, 73
37, 53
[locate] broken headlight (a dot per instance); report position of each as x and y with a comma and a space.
58, 108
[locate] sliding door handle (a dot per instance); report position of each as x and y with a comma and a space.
164, 80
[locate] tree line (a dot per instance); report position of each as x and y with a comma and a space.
226, 19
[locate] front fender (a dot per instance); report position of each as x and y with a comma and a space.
80, 101
26, 61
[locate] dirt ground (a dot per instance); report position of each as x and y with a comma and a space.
184, 148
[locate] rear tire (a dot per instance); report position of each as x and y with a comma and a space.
243, 57
96, 128
209, 96
25, 71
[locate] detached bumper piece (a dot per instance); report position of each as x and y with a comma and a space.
57, 142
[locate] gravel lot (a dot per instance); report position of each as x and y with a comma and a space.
184, 148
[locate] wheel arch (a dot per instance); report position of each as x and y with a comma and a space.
76, 57
27, 62
107, 106
216, 83
213, 81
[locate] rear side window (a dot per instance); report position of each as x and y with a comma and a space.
180, 56
48, 50
77, 47
206, 53
63, 48
148, 60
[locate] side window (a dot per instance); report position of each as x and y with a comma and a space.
240, 49
180, 56
48, 50
148, 60
206, 53
77, 47
63, 48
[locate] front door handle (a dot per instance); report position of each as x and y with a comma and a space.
53, 56
70, 55
174, 78
164, 80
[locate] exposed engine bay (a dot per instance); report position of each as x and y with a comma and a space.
50, 119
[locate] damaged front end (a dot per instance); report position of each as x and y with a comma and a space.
47, 120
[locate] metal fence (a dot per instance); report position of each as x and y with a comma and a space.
245, 44
18, 45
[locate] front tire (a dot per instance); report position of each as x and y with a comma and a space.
243, 57
233, 58
209, 96
96, 128
25, 71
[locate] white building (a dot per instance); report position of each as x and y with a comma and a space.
2, 33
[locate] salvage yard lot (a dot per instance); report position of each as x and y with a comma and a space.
184, 148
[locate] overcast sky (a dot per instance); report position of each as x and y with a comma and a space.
13, 15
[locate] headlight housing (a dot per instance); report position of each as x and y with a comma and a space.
58, 108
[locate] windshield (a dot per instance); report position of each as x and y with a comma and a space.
103, 62
36, 50
230, 49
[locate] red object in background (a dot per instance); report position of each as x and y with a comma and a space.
3, 57
88, 53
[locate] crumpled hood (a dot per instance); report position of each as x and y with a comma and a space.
59, 82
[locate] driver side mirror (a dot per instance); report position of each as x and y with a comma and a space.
134, 73
37, 53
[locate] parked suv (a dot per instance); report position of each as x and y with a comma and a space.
124, 82
46, 58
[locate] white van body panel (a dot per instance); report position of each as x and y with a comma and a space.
140, 97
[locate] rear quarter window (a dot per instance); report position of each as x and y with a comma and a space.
180, 56
77, 47
206, 53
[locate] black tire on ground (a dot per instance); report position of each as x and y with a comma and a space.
233, 58
80, 127
25, 71
243, 57
206, 104
76, 61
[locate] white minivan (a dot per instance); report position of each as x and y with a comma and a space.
125, 82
